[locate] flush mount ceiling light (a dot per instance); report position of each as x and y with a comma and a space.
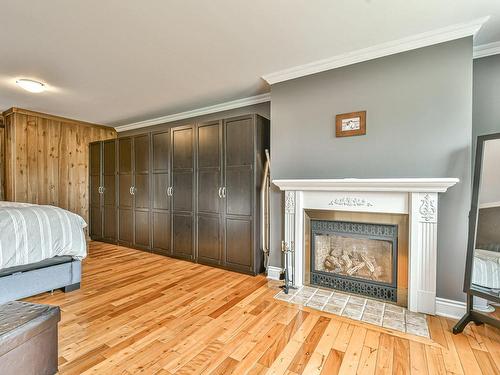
30, 85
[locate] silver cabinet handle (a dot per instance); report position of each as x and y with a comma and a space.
103, 189
224, 192
169, 191
131, 190
99, 190
220, 193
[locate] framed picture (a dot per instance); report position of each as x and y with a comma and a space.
349, 124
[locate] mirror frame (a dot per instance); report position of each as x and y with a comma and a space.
471, 314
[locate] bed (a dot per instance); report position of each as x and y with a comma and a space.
41, 249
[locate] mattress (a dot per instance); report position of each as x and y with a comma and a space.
32, 233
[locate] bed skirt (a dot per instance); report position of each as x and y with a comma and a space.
29, 283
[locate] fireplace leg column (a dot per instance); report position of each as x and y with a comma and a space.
293, 265
423, 253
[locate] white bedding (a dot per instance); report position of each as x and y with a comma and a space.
30, 233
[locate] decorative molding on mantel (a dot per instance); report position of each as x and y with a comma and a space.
485, 50
409, 43
422, 185
263, 98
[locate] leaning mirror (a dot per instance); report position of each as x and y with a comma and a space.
486, 260
482, 273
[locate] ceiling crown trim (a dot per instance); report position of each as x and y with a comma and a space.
257, 99
485, 50
425, 39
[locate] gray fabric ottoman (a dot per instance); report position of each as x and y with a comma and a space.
28, 338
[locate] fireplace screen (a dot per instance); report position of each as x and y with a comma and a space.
355, 257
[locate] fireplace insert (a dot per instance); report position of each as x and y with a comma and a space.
354, 257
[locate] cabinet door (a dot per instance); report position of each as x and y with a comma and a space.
208, 194
239, 244
161, 232
240, 193
183, 191
141, 191
95, 203
182, 185
109, 184
125, 197
160, 201
182, 235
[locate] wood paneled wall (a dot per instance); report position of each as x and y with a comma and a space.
46, 159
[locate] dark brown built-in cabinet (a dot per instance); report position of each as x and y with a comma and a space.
190, 192
102, 168
160, 203
182, 192
134, 191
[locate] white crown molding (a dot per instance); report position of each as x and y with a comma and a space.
197, 112
435, 185
450, 308
485, 50
425, 39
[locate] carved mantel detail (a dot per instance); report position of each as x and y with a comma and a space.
428, 209
290, 201
350, 202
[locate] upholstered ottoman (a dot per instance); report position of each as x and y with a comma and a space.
28, 338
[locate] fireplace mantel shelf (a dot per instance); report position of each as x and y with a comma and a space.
434, 185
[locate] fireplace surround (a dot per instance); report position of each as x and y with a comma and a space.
415, 197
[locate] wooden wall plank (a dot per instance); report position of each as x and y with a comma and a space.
31, 150
42, 140
53, 161
46, 159
21, 159
9, 156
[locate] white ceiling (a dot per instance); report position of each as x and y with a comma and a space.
119, 61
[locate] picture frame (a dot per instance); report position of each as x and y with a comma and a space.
350, 124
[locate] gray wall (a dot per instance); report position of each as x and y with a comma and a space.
419, 124
486, 96
263, 109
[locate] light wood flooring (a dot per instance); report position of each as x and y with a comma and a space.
143, 313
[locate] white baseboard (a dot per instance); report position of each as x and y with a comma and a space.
273, 273
450, 308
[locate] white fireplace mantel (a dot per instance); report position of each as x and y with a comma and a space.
430, 185
417, 197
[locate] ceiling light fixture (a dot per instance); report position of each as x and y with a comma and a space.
30, 85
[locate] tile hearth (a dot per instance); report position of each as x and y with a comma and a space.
358, 308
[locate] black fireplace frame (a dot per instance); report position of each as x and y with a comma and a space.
373, 231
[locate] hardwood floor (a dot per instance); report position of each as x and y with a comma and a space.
143, 313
